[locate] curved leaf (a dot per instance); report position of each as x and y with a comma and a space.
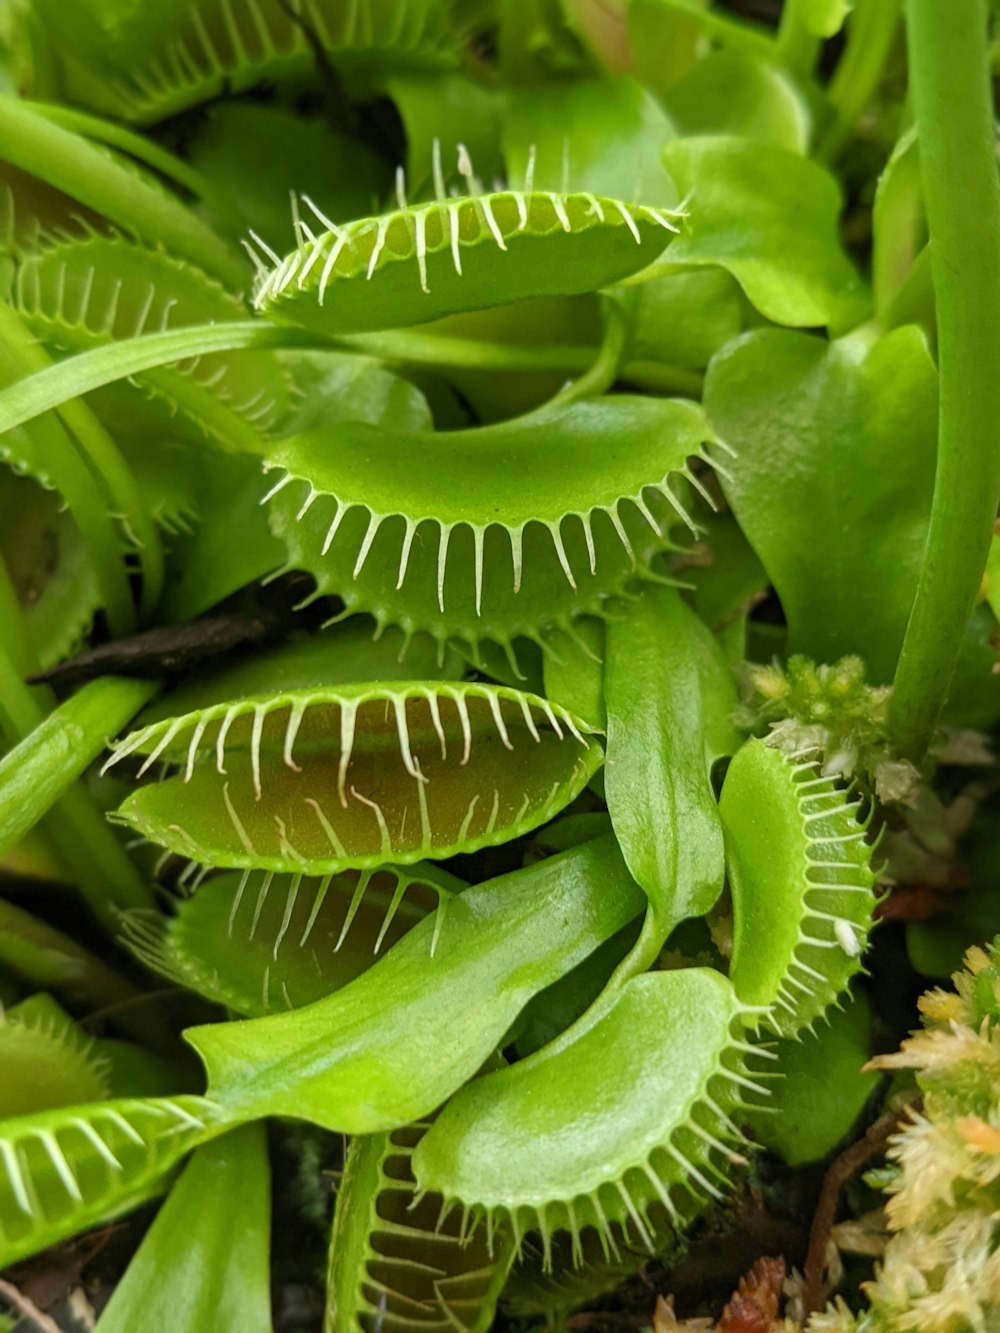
832, 440
770, 217
205, 1262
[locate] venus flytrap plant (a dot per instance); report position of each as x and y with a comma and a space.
800, 874
434, 259
144, 68
81, 293
221, 1205
445, 864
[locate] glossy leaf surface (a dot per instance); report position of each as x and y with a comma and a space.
393, 1261
436, 259
260, 942
799, 868
68, 1169
458, 544
520, 1145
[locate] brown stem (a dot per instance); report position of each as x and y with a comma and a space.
841, 1169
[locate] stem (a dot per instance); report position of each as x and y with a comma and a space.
80, 374
117, 136
798, 47
35, 773
80, 169
871, 31
951, 91
86, 371
430, 349
59, 464
76, 830
604, 369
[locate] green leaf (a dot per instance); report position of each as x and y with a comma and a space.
47, 1059
205, 1262
36, 951
462, 252
523, 1145
770, 218
822, 1089
726, 579
259, 943
390, 1047
446, 109
799, 867
667, 37
393, 1254
899, 230
734, 92
341, 654
834, 505
974, 692
228, 546
658, 791
602, 135
683, 319
145, 64
459, 544
574, 671
50, 568
357, 776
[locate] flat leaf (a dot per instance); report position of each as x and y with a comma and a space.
770, 218
832, 481
684, 318
734, 92
451, 109
256, 155
602, 135
658, 791
204, 1263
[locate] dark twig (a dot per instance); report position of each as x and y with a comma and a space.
841, 1169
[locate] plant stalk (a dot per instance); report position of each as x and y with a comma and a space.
798, 48
68, 162
951, 93
871, 32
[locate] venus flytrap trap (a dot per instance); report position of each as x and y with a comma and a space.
486, 873
435, 259
392, 1255
258, 942
304, 783
413, 548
